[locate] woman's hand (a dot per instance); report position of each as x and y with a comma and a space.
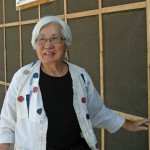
4, 146
135, 126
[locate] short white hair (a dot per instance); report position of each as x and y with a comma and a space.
65, 30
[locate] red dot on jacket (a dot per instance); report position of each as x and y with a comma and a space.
35, 89
20, 98
83, 100
97, 145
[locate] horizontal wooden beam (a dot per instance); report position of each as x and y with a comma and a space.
111, 9
129, 117
4, 83
124, 7
10, 24
83, 14
33, 21
19, 23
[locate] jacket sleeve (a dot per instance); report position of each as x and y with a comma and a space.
100, 115
8, 112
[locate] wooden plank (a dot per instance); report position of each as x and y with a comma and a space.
4, 36
27, 22
39, 2
66, 57
4, 83
1, 25
19, 23
129, 116
101, 53
65, 10
101, 66
83, 14
124, 7
11, 24
20, 39
33, 21
39, 12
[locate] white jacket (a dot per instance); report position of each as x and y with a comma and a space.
24, 121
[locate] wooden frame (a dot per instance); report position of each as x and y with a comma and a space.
37, 3
97, 12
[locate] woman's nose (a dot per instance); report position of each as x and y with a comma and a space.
49, 44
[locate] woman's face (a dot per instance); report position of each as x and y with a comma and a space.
50, 45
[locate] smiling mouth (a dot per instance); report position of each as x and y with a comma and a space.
49, 53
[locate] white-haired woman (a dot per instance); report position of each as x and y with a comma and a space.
52, 104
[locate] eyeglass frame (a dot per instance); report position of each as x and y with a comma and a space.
49, 39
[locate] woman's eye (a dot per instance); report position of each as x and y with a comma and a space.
54, 38
41, 39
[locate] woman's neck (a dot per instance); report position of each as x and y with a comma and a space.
56, 70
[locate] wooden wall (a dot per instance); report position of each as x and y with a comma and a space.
111, 40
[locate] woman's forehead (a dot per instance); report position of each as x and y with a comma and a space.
52, 35
52, 25
51, 28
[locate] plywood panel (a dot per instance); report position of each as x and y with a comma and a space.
125, 62
53, 8
29, 14
125, 54
10, 11
12, 50
29, 55
85, 46
124, 140
81, 5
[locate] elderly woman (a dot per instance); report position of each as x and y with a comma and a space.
52, 104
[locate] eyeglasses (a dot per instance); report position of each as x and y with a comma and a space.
54, 40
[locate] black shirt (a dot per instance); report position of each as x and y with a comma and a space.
63, 127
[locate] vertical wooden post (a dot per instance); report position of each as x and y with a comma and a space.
65, 10
39, 11
148, 60
101, 67
20, 38
65, 17
5, 59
